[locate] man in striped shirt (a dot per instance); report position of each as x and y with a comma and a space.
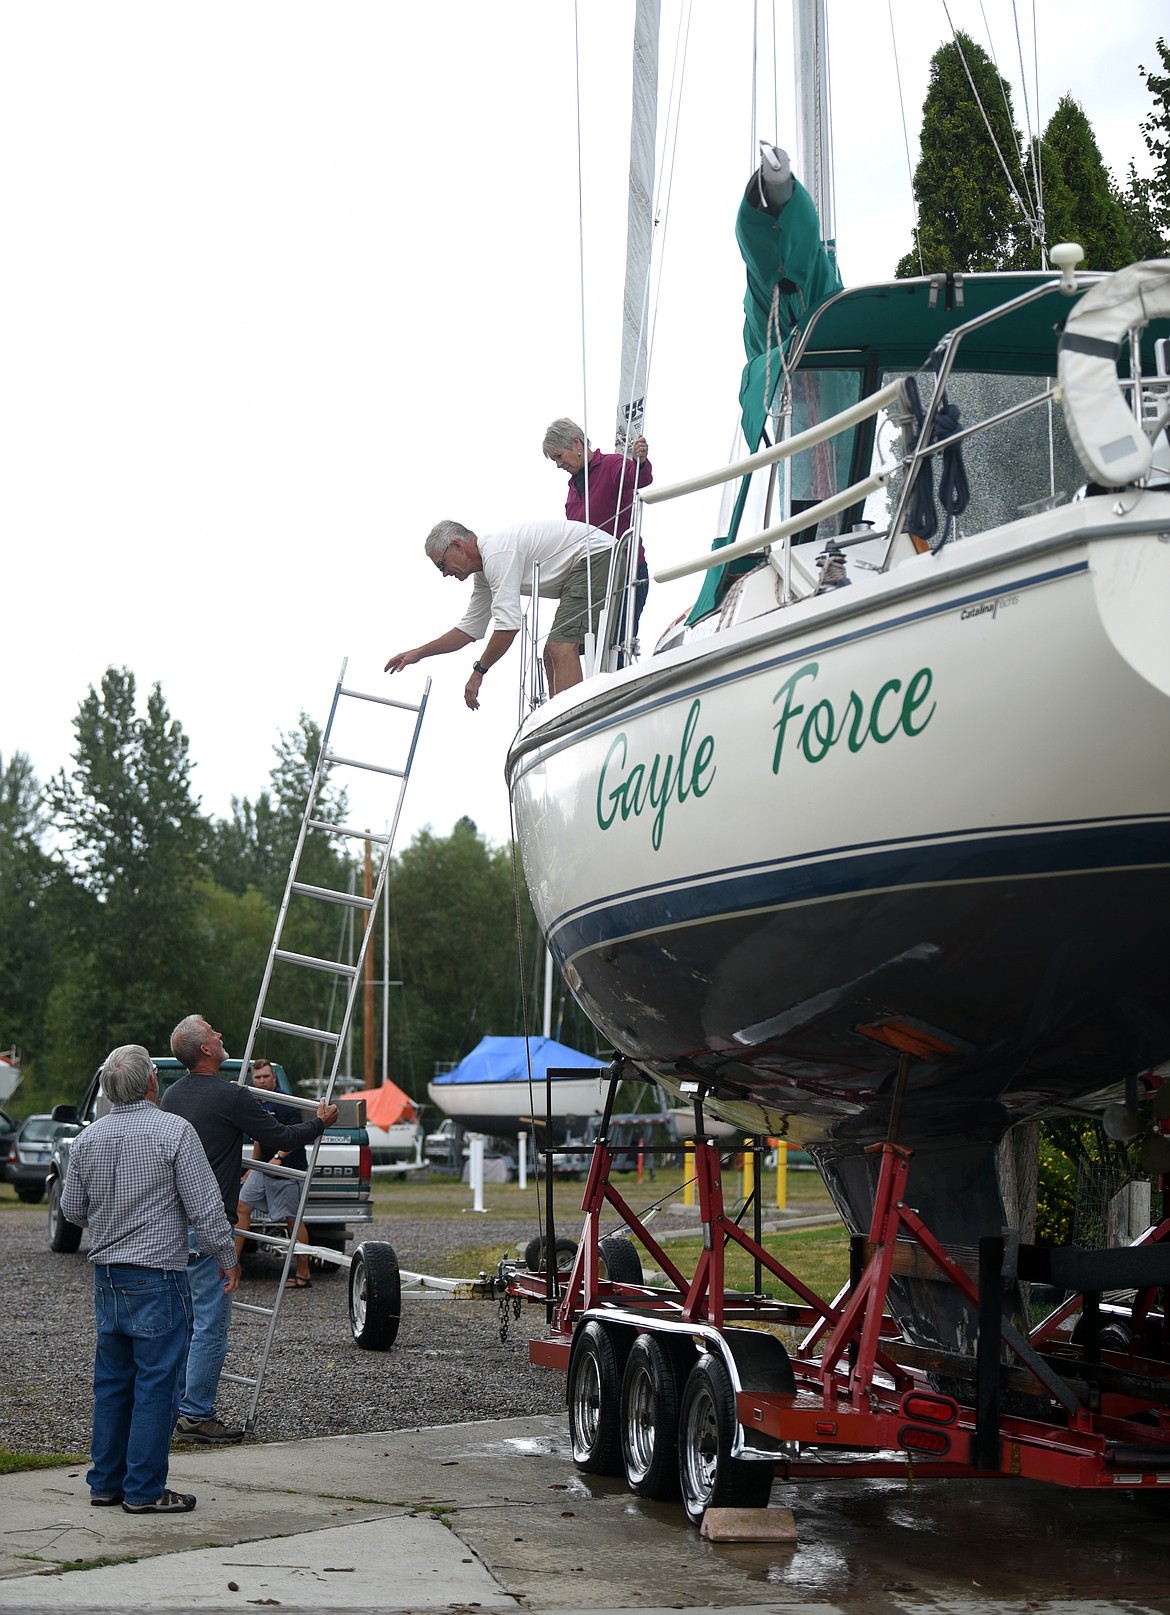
139, 1179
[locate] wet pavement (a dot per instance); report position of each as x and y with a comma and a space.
494, 1516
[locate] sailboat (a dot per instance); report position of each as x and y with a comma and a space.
876, 844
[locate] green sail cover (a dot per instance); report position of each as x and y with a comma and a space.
786, 249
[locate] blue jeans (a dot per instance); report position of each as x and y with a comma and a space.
209, 1339
143, 1326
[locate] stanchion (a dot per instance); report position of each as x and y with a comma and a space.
689, 1172
749, 1168
522, 1160
781, 1173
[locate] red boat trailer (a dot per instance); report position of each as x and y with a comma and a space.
687, 1389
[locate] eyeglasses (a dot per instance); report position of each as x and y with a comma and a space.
441, 563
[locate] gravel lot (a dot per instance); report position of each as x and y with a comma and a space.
447, 1365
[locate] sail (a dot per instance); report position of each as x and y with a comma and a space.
639, 226
790, 271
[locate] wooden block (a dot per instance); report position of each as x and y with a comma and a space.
351, 1112
749, 1525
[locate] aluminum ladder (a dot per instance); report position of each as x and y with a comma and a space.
342, 971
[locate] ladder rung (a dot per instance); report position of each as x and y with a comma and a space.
382, 700
278, 1241
330, 966
297, 1102
314, 1033
348, 830
237, 1379
277, 1169
328, 895
248, 1306
354, 762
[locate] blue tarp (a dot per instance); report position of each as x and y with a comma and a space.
504, 1059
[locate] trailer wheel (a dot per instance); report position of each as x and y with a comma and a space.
375, 1296
620, 1257
710, 1476
651, 1391
63, 1236
565, 1249
595, 1400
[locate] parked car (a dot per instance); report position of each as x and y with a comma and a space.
339, 1195
8, 1127
30, 1152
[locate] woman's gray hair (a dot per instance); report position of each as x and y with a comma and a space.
441, 536
187, 1038
561, 435
126, 1074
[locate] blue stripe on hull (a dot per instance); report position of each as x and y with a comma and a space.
842, 872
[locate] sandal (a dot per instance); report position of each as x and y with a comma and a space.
105, 1499
168, 1503
296, 1282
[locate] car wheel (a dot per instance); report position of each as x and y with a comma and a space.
63, 1235
651, 1392
620, 1259
595, 1397
375, 1295
710, 1476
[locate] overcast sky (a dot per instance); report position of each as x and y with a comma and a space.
283, 284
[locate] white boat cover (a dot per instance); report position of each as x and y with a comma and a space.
1106, 434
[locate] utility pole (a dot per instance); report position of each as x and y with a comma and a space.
368, 975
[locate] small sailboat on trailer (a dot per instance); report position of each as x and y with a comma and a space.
873, 853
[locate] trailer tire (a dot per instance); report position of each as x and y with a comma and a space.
623, 1265
375, 1296
710, 1476
652, 1388
565, 1250
63, 1236
595, 1399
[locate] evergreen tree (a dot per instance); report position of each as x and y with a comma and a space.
969, 212
26, 953
1138, 204
132, 835
1156, 134
1079, 201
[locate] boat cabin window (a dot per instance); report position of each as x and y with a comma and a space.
1013, 468
816, 473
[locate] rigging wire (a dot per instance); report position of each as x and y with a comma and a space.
905, 137
1033, 141
666, 175
1003, 94
1028, 215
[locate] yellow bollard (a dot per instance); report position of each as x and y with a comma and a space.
749, 1168
689, 1173
781, 1173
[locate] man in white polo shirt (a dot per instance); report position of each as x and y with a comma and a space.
574, 570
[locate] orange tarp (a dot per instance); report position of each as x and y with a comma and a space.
387, 1105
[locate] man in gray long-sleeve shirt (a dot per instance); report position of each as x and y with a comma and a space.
221, 1113
140, 1179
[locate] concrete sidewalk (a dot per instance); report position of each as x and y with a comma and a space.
493, 1516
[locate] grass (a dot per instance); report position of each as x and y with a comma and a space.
12, 1463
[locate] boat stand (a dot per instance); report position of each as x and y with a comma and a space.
1078, 1406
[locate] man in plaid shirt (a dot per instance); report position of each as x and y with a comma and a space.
139, 1178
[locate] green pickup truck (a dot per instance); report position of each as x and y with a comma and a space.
339, 1195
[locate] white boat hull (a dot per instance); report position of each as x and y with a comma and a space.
939, 796
503, 1109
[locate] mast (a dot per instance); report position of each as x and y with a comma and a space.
814, 140
639, 224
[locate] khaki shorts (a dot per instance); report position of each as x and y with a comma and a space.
581, 589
